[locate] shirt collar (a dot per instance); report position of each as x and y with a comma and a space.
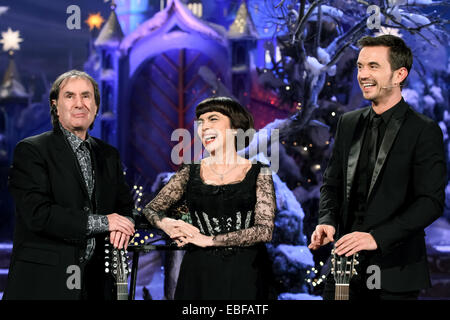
74, 141
386, 116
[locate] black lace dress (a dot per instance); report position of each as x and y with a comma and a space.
240, 217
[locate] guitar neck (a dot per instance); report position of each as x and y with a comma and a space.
341, 292
122, 291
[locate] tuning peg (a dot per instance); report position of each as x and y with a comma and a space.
106, 251
106, 270
129, 270
107, 263
115, 271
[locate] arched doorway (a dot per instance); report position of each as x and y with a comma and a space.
163, 95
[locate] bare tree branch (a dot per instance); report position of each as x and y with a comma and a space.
319, 29
304, 19
280, 4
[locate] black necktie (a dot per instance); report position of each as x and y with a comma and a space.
374, 125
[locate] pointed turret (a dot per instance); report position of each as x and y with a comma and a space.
11, 87
243, 25
111, 34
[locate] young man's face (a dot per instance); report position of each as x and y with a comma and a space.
76, 104
375, 76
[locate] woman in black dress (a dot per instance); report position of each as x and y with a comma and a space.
231, 204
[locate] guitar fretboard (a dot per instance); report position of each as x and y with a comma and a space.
122, 291
341, 292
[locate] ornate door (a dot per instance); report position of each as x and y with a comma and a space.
163, 97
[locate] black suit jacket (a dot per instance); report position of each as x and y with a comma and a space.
406, 193
52, 203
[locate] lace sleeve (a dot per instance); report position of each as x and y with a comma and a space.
265, 207
171, 193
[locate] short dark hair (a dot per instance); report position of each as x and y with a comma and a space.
240, 117
54, 92
400, 54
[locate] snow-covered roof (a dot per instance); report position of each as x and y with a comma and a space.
243, 25
11, 86
111, 34
186, 18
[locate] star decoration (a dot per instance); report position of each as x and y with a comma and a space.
10, 40
95, 21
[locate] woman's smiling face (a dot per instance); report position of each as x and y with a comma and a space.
214, 129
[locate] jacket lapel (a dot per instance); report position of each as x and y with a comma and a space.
389, 137
359, 130
97, 158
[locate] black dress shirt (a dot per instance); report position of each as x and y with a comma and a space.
364, 171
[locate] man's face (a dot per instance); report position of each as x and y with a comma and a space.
76, 104
375, 76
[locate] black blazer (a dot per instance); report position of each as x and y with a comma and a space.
52, 203
406, 193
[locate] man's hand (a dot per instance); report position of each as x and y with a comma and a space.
321, 236
120, 223
354, 242
119, 240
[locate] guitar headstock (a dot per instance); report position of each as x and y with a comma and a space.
343, 268
116, 262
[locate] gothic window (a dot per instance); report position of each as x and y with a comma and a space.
240, 57
196, 7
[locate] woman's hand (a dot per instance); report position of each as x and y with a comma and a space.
197, 239
177, 227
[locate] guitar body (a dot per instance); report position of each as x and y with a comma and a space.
343, 269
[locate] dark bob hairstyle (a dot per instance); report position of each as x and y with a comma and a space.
240, 117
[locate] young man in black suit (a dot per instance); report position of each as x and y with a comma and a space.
70, 193
385, 180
